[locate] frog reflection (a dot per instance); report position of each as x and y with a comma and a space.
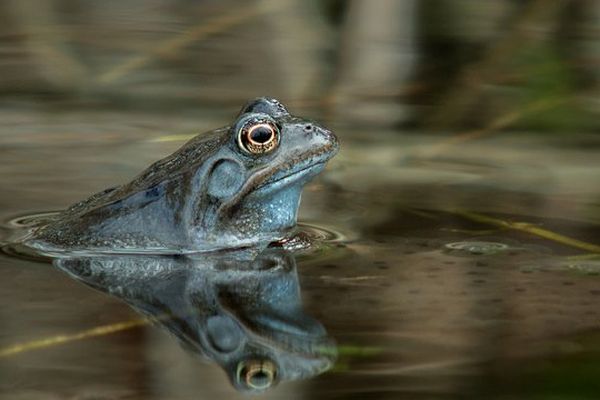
241, 311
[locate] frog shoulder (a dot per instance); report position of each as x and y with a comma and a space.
152, 182
171, 168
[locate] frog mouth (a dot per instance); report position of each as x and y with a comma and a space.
271, 180
305, 165
293, 177
268, 183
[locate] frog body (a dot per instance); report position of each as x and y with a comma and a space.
232, 187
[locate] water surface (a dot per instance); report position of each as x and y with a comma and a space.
426, 287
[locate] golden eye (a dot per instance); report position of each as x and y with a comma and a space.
256, 374
258, 137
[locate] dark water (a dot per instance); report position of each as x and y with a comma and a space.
424, 296
452, 265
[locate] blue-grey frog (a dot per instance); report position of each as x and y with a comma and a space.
235, 186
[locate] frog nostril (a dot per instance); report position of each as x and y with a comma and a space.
308, 128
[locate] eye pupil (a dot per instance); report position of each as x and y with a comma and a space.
258, 137
261, 134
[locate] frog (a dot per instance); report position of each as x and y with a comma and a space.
236, 186
239, 309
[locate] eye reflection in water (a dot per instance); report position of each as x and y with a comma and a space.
242, 311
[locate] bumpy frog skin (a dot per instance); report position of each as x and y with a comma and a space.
242, 312
212, 193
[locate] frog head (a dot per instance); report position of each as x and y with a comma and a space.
254, 183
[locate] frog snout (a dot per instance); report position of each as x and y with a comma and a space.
327, 137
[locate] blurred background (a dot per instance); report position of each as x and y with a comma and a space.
437, 65
464, 205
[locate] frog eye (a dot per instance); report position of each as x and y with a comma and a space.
256, 374
258, 137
